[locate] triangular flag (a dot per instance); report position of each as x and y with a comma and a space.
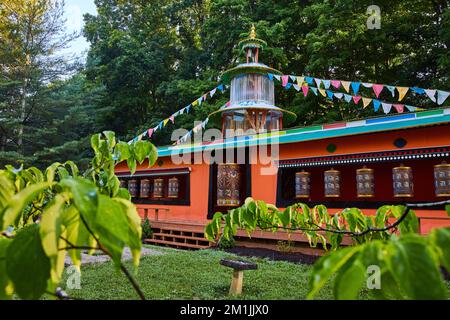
288, 85
346, 85
161, 124
150, 132
418, 90
300, 81
270, 76
322, 92
228, 104
336, 84
188, 108
347, 97
284, 80
212, 92
309, 80
392, 90
330, 94
195, 103
139, 137
377, 88
367, 84
144, 134
411, 108
431, 94
172, 118
278, 77
200, 101
327, 84
165, 121
318, 82
220, 87
293, 78
339, 95
205, 96
182, 110
386, 107
305, 90
297, 87
399, 107
442, 96
314, 90
356, 99
366, 102
402, 92
376, 105
355, 87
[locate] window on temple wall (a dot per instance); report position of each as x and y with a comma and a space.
168, 187
383, 187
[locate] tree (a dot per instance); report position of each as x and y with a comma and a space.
31, 34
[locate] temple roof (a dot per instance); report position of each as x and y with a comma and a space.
317, 132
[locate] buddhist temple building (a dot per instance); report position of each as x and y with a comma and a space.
366, 163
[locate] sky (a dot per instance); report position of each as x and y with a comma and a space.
74, 15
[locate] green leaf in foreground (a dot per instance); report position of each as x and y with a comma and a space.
27, 265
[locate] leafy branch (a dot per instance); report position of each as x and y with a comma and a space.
45, 216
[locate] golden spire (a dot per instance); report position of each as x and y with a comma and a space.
253, 32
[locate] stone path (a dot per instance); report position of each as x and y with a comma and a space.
104, 258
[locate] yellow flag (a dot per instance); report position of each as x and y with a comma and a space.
366, 102
402, 92
195, 103
300, 81
322, 92
165, 122
346, 85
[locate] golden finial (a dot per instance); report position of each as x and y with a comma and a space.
253, 32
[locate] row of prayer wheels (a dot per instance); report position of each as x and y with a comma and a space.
144, 188
402, 178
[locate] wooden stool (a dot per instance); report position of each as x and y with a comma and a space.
239, 266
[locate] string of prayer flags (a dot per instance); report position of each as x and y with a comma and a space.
437, 96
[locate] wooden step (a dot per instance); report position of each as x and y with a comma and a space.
177, 244
167, 235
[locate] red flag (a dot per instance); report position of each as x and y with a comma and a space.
377, 88
284, 80
356, 99
305, 90
399, 107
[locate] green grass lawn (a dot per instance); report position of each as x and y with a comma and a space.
179, 274
195, 275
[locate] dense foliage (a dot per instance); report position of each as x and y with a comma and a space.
148, 59
45, 216
408, 263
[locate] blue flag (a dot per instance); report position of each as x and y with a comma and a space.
309, 80
355, 87
376, 104
330, 95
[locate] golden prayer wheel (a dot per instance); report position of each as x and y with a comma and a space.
145, 188
133, 188
228, 185
442, 179
174, 187
158, 188
123, 183
365, 182
403, 182
332, 180
302, 184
